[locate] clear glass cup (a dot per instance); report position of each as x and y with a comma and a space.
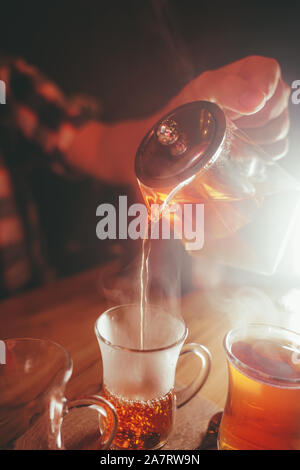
140, 382
262, 410
32, 401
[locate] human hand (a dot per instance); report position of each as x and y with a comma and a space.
253, 95
251, 91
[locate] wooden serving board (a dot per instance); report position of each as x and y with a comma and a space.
80, 428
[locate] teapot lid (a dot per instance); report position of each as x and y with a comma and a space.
182, 143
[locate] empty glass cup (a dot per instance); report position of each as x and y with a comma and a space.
33, 378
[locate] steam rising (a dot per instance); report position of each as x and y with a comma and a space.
121, 285
249, 304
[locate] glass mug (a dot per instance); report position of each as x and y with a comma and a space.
140, 382
262, 410
32, 402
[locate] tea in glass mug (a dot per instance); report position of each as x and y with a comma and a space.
139, 382
262, 410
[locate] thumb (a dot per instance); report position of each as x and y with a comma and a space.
238, 95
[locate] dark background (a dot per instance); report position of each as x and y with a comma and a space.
133, 56
119, 50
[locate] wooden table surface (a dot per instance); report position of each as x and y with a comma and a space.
65, 312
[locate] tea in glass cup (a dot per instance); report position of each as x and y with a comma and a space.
262, 410
139, 382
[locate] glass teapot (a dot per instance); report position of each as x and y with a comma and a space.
195, 154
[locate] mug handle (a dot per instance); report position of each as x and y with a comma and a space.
104, 409
187, 393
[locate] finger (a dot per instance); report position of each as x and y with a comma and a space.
274, 130
278, 149
272, 109
233, 93
262, 73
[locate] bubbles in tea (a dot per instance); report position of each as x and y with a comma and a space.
142, 424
